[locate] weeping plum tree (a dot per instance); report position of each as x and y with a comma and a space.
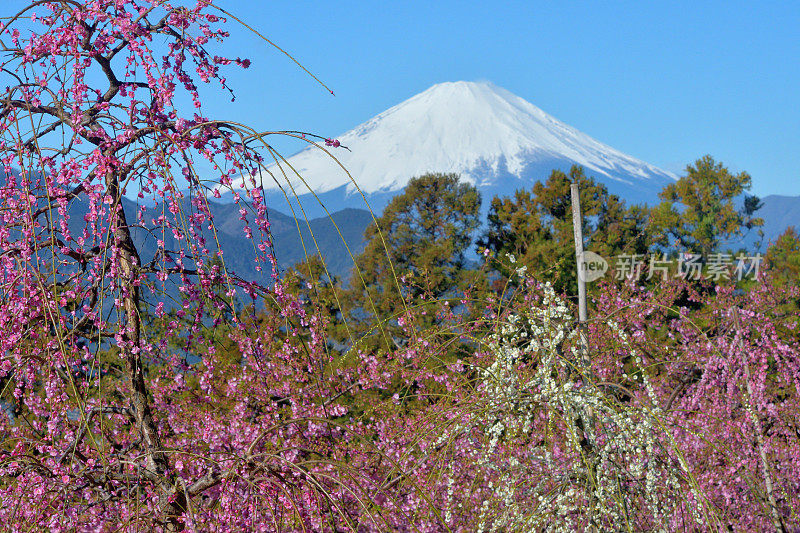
84, 76
105, 422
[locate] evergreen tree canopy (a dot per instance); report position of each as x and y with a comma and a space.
536, 227
705, 216
418, 244
783, 257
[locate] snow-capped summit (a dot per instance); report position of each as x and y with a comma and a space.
492, 138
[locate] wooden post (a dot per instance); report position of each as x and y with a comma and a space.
586, 417
577, 226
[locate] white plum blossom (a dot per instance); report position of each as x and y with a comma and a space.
534, 372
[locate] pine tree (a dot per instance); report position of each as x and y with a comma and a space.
698, 214
416, 248
535, 227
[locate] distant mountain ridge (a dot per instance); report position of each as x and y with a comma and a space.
779, 212
492, 138
291, 239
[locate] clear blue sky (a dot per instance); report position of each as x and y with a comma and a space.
666, 82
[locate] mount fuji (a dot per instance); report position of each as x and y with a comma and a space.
492, 138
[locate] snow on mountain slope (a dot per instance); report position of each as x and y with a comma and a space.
491, 137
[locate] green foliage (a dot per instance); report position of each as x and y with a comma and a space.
312, 281
417, 246
783, 257
782, 262
536, 227
705, 216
